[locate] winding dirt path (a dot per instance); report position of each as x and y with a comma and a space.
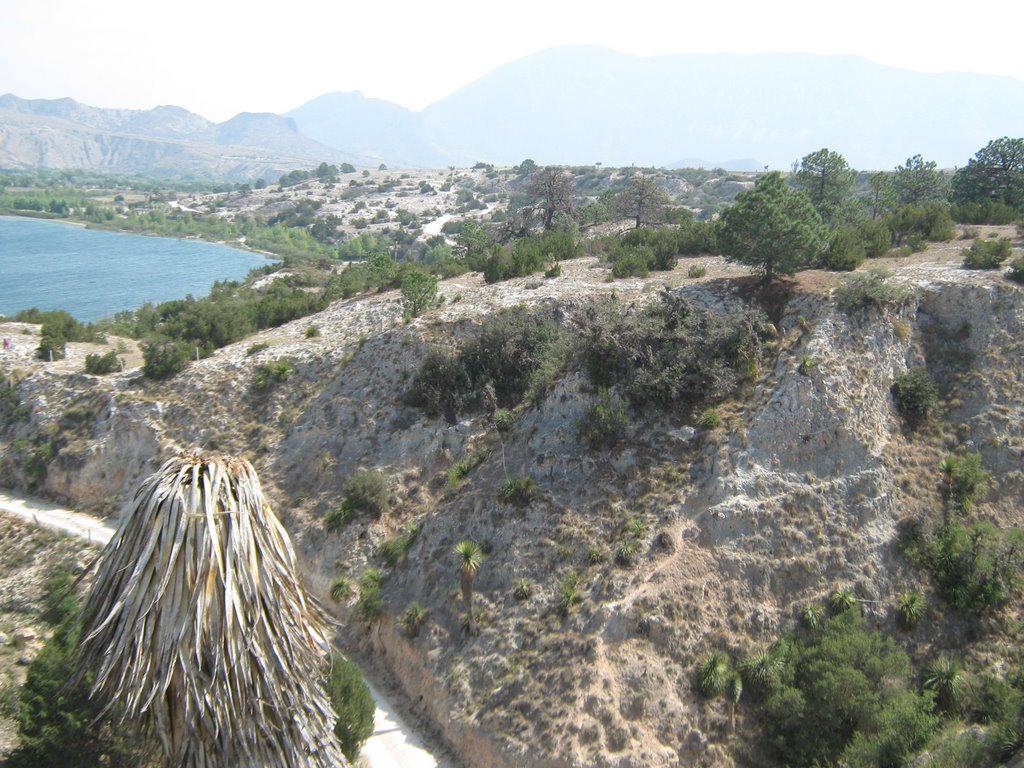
393, 743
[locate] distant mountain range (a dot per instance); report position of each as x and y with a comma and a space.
577, 105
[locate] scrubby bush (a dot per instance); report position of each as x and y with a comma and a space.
163, 358
530, 254
845, 251
268, 374
370, 599
671, 352
1016, 271
366, 490
870, 288
915, 395
518, 490
99, 365
603, 423
987, 254
696, 270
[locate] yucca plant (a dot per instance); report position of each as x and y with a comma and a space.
841, 601
761, 669
469, 557
198, 627
733, 691
910, 608
944, 678
813, 616
712, 674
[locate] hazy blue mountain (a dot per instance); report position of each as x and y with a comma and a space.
373, 128
584, 105
165, 141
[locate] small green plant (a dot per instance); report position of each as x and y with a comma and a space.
337, 516
915, 395
709, 419
761, 669
458, 472
555, 270
987, 254
841, 601
253, 349
812, 616
568, 595
637, 528
806, 366
518, 491
696, 270
340, 589
503, 420
312, 332
268, 374
523, 590
392, 551
910, 609
596, 555
966, 479
712, 674
370, 599
624, 553
412, 619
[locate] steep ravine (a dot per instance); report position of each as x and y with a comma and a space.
798, 491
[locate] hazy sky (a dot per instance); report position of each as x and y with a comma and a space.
221, 57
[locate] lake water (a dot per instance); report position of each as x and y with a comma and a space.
92, 273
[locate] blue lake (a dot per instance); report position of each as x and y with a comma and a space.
93, 273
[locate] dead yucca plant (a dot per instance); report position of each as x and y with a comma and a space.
198, 627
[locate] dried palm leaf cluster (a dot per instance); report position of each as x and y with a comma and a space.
198, 627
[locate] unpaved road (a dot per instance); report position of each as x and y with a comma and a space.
393, 743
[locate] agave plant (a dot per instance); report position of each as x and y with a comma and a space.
944, 677
712, 673
198, 627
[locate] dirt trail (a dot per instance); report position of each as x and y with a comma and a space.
393, 743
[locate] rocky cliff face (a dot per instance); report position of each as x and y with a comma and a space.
796, 492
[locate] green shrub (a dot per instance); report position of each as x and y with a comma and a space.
518, 491
845, 250
967, 479
603, 424
696, 270
987, 254
1016, 271
976, 567
915, 395
568, 594
259, 346
163, 358
312, 332
806, 366
812, 616
632, 262
352, 703
99, 365
875, 237
419, 293
870, 288
845, 689
441, 385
